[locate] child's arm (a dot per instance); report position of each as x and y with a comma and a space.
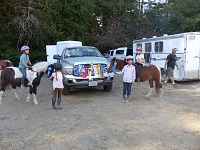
29, 62
120, 72
51, 77
24, 64
133, 80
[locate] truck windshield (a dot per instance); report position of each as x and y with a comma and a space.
82, 52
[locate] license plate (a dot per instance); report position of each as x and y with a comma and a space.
93, 83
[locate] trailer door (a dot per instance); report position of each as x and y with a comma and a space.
192, 65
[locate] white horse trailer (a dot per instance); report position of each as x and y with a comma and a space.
156, 50
58, 48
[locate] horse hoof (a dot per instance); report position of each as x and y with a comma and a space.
36, 104
28, 100
161, 96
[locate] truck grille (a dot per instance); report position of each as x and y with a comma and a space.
94, 70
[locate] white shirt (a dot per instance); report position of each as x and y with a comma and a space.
57, 81
129, 73
140, 58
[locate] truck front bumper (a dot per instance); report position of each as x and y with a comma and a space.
84, 83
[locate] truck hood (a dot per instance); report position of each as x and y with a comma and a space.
83, 60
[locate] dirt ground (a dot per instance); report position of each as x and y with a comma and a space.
92, 119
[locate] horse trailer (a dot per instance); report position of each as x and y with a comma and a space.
156, 49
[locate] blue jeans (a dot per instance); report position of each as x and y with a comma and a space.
127, 88
23, 71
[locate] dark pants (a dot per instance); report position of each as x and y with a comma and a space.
57, 92
23, 71
138, 68
127, 88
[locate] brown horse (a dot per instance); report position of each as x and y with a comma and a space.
5, 63
150, 73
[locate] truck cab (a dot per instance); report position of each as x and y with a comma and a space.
83, 67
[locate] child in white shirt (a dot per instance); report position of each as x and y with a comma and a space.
58, 86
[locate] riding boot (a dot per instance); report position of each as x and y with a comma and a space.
53, 103
138, 82
58, 102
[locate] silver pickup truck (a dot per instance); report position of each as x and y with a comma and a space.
83, 67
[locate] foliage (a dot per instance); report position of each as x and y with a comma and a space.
106, 24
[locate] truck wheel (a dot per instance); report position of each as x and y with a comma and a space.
107, 88
66, 91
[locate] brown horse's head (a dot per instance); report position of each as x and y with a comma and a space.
120, 64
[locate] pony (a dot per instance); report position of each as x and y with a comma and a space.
5, 63
150, 73
12, 76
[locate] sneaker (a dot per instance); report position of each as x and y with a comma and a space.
128, 99
175, 86
58, 107
124, 99
22, 86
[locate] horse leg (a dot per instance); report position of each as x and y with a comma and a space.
29, 94
151, 88
1, 94
159, 89
15, 93
35, 94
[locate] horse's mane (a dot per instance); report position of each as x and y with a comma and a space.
40, 66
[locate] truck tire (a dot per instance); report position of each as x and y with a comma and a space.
66, 91
107, 88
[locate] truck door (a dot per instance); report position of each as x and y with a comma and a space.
192, 66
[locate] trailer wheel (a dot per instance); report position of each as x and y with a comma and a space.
107, 88
66, 90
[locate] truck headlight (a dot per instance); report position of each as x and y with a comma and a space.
68, 71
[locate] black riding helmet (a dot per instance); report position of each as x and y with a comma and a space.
58, 66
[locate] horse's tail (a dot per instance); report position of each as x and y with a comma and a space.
157, 87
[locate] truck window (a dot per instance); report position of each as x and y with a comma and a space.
111, 53
147, 47
158, 47
129, 52
120, 52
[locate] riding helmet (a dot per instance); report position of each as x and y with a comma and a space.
129, 58
58, 66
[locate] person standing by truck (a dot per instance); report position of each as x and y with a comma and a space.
170, 63
58, 86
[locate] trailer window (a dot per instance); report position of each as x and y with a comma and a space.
129, 52
120, 52
147, 47
158, 47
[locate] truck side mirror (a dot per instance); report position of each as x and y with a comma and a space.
106, 55
58, 57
